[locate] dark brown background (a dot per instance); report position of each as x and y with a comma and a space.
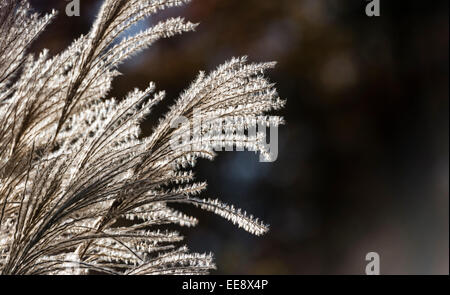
363, 159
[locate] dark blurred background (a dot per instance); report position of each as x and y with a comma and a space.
363, 161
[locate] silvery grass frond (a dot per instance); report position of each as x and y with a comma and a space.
73, 168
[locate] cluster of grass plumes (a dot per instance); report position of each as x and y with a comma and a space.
72, 162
